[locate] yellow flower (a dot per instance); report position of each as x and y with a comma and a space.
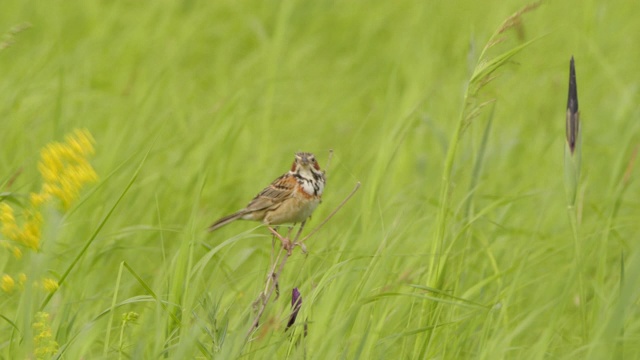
50, 285
45, 345
7, 283
65, 168
38, 199
32, 229
17, 253
7, 219
29, 235
80, 142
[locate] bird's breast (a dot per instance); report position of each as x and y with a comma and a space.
311, 187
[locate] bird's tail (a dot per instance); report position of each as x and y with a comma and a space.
225, 220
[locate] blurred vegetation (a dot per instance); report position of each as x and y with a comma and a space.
195, 106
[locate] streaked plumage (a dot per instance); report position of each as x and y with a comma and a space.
289, 199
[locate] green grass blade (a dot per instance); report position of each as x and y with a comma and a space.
95, 233
151, 292
111, 312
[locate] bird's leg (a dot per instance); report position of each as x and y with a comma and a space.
296, 243
286, 243
290, 245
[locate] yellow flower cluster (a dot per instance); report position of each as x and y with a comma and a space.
45, 345
50, 285
28, 235
7, 283
65, 168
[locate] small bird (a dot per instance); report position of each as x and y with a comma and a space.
289, 199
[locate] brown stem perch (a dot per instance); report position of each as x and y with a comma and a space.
273, 277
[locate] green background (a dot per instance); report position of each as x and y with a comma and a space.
212, 98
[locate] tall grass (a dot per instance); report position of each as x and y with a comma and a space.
458, 245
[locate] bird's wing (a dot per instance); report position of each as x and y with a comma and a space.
279, 190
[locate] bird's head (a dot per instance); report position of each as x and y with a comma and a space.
305, 161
